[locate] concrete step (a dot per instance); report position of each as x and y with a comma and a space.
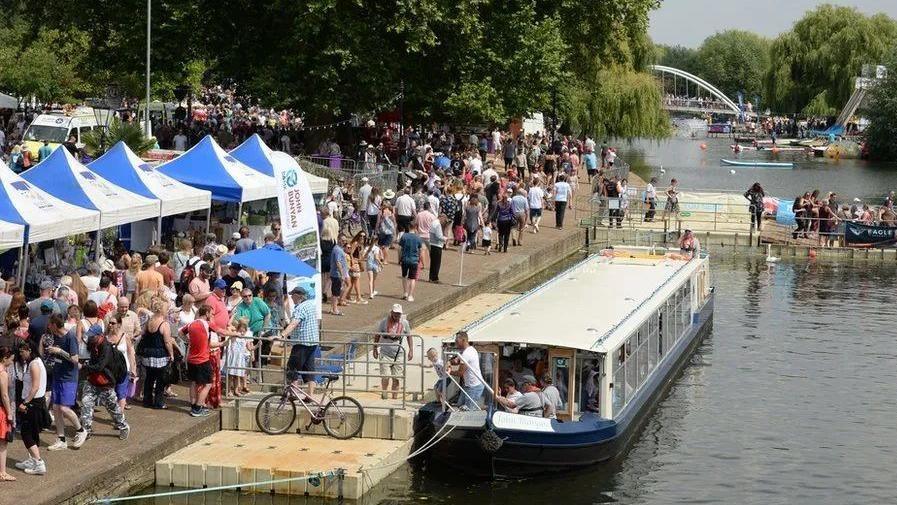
385, 423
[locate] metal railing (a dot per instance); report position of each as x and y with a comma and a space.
343, 164
342, 358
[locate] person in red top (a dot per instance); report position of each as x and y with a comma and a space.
219, 320
199, 367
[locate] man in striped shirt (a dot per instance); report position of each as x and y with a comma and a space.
303, 333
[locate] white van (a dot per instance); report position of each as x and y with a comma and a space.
57, 127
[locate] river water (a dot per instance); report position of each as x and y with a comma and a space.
791, 398
695, 168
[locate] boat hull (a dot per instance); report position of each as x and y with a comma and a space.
590, 441
757, 164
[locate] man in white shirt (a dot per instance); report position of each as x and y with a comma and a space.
536, 198
489, 172
180, 141
475, 164
405, 208
92, 280
651, 199
562, 194
364, 192
469, 370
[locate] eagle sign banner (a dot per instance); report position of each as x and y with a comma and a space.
298, 221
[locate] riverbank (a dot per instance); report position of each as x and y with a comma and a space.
106, 466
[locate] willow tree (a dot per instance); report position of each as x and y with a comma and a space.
880, 108
818, 60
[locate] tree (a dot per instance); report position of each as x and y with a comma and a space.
825, 52
97, 142
733, 61
681, 57
880, 108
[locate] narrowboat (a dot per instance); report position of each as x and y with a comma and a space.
611, 333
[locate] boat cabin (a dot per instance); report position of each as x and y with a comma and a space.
600, 332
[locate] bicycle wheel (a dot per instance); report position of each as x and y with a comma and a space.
343, 417
275, 413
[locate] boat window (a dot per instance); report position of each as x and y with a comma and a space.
588, 382
561, 372
644, 354
631, 368
619, 390
661, 347
652, 342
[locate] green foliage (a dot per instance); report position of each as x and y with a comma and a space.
624, 104
469, 61
733, 61
820, 106
681, 57
130, 133
825, 52
880, 108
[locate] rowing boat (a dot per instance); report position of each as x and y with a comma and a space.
758, 164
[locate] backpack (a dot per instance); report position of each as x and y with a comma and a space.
119, 366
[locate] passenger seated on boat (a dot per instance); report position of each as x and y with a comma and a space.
518, 372
510, 397
529, 403
689, 245
551, 398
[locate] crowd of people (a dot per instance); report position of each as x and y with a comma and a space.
825, 217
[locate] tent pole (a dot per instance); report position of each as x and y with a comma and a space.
159, 229
20, 267
25, 267
98, 245
239, 214
208, 218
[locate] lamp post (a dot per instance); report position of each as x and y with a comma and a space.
103, 110
146, 110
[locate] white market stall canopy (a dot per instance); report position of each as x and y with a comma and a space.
66, 178
122, 167
207, 166
44, 216
8, 102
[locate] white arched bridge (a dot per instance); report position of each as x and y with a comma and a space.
712, 101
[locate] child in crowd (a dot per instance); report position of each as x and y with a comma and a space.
441, 374
374, 259
238, 350
487, 238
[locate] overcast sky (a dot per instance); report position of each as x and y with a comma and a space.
689, 22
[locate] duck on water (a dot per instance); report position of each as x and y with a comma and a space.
569, 370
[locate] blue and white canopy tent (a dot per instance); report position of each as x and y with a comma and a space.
256, 154
43, 216
64, 177
207, 166
122, 167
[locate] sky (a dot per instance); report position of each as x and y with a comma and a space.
689, 22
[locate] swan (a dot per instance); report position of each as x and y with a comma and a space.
769, 257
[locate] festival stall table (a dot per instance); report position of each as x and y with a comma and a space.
122, 167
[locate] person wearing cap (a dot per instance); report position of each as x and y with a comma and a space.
468, 362
234, 274
304, 334
46, 293
199, 287
527, 404
364, 192
388, 349
149, 279
64, 359
37, 326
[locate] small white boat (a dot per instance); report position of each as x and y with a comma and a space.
758, 164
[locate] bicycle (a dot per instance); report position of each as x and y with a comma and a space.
342, 416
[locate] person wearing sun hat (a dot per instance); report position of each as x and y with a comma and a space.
388, 349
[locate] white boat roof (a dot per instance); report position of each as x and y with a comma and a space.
594, 306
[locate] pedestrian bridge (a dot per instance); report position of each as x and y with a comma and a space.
716, 102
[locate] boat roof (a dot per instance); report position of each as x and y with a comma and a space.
593, 306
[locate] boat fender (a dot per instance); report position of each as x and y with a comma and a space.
490, 441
